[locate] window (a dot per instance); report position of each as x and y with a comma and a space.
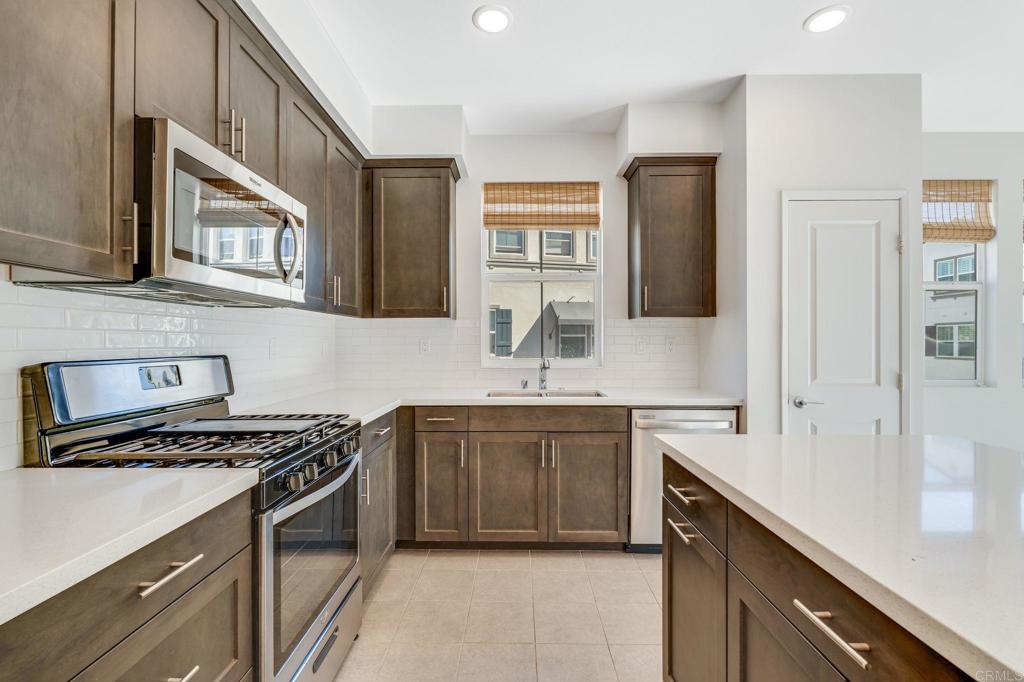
958, 221
558, 243
226, 244
255, 243
541, 290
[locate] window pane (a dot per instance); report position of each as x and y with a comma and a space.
943, 262
568, 319
950, 319
558, 243
538, 251
593, 245
509, 241
516, 310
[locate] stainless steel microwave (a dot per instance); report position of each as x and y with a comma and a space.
209, 231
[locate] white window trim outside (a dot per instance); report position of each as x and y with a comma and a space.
571, 256
487, 277
495, 254
977, 286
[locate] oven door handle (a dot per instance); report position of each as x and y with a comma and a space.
290, 510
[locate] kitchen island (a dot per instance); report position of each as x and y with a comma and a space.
863, 552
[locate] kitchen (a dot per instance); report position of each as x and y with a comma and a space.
382, 392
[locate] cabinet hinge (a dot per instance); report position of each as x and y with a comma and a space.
899, 244
899, 381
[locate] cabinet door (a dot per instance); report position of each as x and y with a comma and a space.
694, 603
441, 479
351, 250
675, 213
508, 487
413, 222
181, 65
306, 180
376, 529
67, 133
209, 629
765, 647
257, 98
588, 483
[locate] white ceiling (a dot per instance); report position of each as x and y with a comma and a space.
570, 66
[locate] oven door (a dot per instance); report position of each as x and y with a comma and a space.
217, 224
309, 563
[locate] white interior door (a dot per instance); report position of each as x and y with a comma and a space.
842, 319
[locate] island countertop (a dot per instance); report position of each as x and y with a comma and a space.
928, 529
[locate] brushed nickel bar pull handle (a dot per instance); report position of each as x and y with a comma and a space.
444, 298
332, 286
382, 432
645, 297
133, 219
554, 449
366, 487
230, 144
687, 539
337, 291
243, 139
680, 493
851, 649
191, 673
543, 451
179, 568
440, 419
462, 454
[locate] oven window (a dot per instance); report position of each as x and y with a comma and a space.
313, 553
224, 225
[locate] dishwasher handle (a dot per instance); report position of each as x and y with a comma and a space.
685, 424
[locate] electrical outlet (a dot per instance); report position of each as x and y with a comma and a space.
641, 344
670, 344
424, 345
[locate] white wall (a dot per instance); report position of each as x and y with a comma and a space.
723, 338
387, 352
990, 413
818, 132
274, 354
669, 128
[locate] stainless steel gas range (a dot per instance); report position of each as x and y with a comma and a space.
173, 412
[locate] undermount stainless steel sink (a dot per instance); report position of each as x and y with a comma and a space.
552, 393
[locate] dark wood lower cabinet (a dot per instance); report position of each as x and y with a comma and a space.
209, 631
694, 600
508, 487
376, 509
765, 647
588, 487
441, 481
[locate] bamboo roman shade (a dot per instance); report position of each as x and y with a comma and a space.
542, 205
957, 211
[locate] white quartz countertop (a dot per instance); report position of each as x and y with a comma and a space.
62, 525
368, 404
930, 530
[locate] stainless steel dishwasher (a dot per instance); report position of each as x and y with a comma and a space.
645, 466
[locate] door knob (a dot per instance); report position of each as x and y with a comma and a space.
801, 402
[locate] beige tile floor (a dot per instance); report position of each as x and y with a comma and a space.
511, 616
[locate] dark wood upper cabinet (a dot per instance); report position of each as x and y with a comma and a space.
441, 512
351, 284
259, 104
671, 220
306, 180
508, 487
694, 583
67, 135
181, 65
588, 487
765, 647
413, 214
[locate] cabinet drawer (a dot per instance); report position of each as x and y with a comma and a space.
547, 418
784, 575
63, 635
207, 633
441, 418
698, 502
377, 432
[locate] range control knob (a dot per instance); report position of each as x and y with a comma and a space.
331, 458
348, 446
294, 482
310, 471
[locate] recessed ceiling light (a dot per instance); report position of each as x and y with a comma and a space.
492, 18
827, 18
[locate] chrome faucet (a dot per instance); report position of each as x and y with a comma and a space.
542, 380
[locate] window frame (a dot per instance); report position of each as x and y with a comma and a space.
596, 276
569, 257
495, 254
226, 236
980, 323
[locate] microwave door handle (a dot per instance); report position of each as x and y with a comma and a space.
288, 275
306, 501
